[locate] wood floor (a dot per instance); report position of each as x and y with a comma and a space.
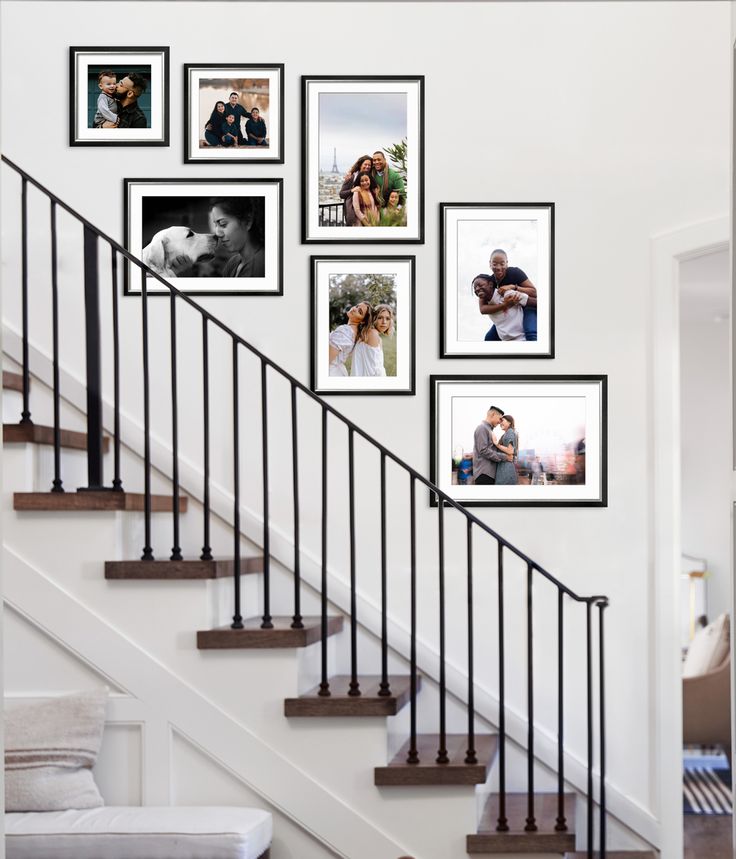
708, 836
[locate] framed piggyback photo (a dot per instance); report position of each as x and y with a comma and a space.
119, 96
234, 113
497, 280
206, 237
363, 333
520, 440
363, 159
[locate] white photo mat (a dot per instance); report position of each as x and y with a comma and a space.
403, 381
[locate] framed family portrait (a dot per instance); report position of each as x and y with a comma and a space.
234, 113
528, 441
119, 96
497, 280
363, 333
206, 237
363, 159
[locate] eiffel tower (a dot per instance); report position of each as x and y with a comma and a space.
334, 160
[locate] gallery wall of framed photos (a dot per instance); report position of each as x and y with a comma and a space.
471, 162
224, 237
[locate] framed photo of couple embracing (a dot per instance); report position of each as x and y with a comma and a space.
497, 280
363, 333
363, 159
527, 441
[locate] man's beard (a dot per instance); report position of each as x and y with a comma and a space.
120, 96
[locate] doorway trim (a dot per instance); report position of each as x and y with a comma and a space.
668, 250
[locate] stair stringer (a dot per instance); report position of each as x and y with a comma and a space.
621, 807
201, 722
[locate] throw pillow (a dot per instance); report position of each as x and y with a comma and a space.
50, 749
708, 649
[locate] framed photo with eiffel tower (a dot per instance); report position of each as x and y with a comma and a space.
363, 159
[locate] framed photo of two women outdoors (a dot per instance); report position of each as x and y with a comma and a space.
497, 280
363, 159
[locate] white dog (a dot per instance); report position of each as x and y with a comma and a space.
175, 242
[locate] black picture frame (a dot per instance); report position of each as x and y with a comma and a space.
403, 383
465, 248
331, 233
123, 59
490, 390
192, 123
272, 191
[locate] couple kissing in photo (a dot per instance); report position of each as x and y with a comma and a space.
373, 192
359, 340
495, 451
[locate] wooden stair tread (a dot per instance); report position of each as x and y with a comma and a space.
517, 840
428, 771
174, 570
253, 637
41, 434
614, 854
97, 500
12, 381
340, 703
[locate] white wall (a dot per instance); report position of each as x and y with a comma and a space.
706, 421
585, 104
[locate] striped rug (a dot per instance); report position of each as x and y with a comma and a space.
707, 790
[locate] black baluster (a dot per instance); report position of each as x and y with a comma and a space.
502, 824
117, 483
471, 757
561, 824
413, 756
25, 415
602, 739
266, 620
589, 674
354, 683
206, 548
384, 689
297, 622
237, 616
442, 756
324, 686
57, 483
93, 362
147, 550
176, 548
531, 825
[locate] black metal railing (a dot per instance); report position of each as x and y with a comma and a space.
332, 215
473, 529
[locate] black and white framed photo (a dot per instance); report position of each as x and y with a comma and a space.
233, 113
206, 237
363, 159
529, 441
119, 96
497, 280
363, 333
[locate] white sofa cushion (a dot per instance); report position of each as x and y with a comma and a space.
50, 749
708, 649
140, 833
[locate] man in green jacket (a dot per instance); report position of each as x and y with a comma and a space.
387, 180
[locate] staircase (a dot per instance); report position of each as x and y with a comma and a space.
295, 454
